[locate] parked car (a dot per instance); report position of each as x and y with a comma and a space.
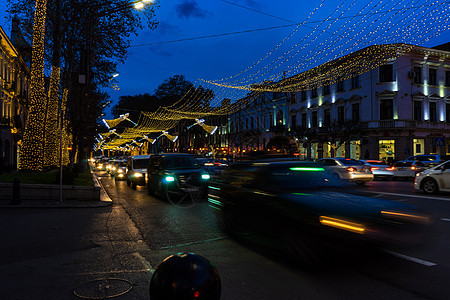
434, 180
380, 169
137, 170
301, 207
178, 178
348, 169
429, 160
407, 169
119, 169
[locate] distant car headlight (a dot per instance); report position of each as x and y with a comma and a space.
169, 179
205, 176
137, 174
418, 174
120, 171
113, 168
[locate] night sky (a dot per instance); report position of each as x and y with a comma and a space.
245, 31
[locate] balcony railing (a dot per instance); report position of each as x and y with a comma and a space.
408, 124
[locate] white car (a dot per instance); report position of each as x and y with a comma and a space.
434, 179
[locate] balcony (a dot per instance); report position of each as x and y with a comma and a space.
408, 124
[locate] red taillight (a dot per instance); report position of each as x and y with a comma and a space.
390, 168
413, 167
351, 169
374, 168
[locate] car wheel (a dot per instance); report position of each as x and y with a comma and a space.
149, 188
128, 182
430, 186
133, 185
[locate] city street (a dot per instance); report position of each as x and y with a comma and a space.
249, 272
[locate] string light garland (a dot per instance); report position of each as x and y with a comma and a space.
31, 155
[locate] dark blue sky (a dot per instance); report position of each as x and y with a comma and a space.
176, 47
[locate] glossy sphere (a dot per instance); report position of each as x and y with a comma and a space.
185, 276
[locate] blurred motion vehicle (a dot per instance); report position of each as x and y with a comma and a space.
178, 178
434, 180
137, 170
348, 169
119, 169
429, 160
380, 169
207, 164
305, 211
407, 169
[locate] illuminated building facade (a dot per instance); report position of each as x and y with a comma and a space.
14, 93
402, 106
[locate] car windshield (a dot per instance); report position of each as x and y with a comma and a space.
140, 163
179, 162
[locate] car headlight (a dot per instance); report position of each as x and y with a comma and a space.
169, 179
205, 176
120, 171
418, 174
137, 174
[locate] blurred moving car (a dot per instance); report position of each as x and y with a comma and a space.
348, 169
207, 164
119, 169
434, 180
178, 178
306, 211
407, 169
136, 170
380, 169
429, 160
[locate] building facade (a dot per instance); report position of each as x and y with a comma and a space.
400, 108
14, 93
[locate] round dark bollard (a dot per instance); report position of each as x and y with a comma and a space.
185, 276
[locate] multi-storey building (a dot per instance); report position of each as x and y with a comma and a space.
402, 108
14, 91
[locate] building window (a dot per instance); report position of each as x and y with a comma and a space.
326, 90
279, 117
303, 95
355, 112
304, 119
447, 78
387, 73
341, 116
293, 121
432, 76
252, 122
447, 112
246, 124
417, 78
327, 117
417, 111
386, 109
314, 93
314, 118
340, 86
293, 97
355, 82
433, 112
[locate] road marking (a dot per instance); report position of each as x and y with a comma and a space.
410, 258
115, 272
193, 243
445, 219
411, 196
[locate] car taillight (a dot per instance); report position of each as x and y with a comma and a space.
413, 167
351, 169
374, 168
390, 168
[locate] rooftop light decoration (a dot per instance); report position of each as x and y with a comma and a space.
125, 117
113, 131
152, 141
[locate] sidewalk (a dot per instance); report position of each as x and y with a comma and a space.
70, 203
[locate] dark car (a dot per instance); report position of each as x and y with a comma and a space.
178, 178
305, 211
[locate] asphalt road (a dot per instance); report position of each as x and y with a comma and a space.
249, 271
98, 253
